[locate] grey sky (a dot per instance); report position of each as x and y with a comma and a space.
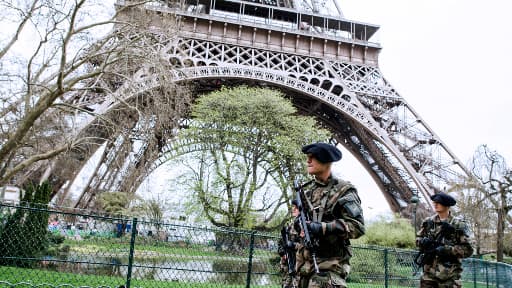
449, 59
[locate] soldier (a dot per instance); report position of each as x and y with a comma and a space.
334, 209
443, 240
293, 243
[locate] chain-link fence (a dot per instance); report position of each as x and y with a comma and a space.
41, 247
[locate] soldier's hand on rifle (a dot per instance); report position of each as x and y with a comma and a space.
326, 228
425, 242
315, 228
296, 225
444, 250
447, 228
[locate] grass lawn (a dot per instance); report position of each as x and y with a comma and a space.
35, 277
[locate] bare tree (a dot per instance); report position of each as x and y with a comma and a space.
493, 179
479, 213
62, 59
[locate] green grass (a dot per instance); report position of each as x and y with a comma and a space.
35, 277
492, 257
366, 262
113, 246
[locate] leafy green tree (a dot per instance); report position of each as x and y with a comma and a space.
395, 233
114, 203
25, 233
248, 142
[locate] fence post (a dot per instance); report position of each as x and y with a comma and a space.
386, 268
497, 276
249, 265
474, 271
132, 249
486, 275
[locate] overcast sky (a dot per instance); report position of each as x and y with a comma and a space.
450, 60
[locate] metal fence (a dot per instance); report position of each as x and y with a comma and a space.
49, 248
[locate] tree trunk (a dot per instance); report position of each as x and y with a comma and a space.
500, 235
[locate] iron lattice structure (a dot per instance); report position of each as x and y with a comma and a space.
327, 65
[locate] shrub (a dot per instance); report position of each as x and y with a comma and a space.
398, 233
56, 238
25, 232
507, 244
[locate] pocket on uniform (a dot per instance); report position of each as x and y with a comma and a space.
348, 250
337, 280
306, 269
445, 272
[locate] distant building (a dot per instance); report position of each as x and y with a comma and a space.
10, 194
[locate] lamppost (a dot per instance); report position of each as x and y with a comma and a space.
414, 201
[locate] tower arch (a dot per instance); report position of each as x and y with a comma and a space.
328, 65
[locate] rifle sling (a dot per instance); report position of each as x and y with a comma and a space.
317, 217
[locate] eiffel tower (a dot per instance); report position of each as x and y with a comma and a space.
327, 65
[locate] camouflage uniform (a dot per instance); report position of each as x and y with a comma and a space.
336, 205
445, 266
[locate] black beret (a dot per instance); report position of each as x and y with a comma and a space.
323, 152
294, 202
443, 199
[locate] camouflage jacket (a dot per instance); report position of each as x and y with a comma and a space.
337, 204
456, 242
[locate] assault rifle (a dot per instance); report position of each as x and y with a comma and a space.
427, 253
289, 250
309, 243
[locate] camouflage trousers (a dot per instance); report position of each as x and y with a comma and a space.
451, 283
333, 274
327, 279
441, 275
287, 280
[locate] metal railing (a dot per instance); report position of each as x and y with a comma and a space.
50, 248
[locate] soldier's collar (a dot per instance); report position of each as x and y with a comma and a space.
329, 181
448, 219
